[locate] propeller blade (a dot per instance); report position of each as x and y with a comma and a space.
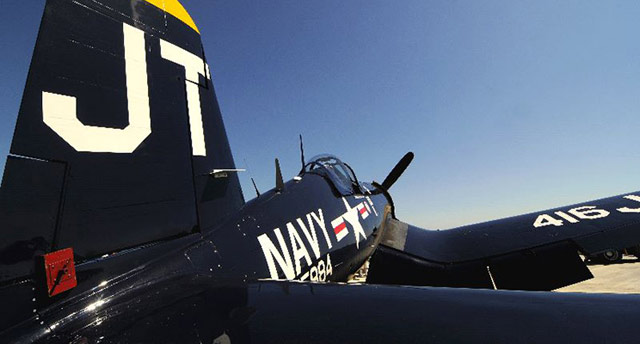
397, 171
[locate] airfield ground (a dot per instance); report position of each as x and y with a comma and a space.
621, 278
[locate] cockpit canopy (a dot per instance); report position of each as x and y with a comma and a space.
339, 173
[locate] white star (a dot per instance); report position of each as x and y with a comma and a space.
353, 218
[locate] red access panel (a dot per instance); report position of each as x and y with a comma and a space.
60, 271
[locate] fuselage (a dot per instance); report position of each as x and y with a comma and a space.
307, 231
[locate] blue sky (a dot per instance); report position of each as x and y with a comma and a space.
509, 106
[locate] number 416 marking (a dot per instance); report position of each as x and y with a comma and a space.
587, 212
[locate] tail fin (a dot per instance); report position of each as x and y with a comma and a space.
117, 132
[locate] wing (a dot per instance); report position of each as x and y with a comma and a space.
192, 310
537, 251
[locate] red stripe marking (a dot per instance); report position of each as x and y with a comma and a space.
363, 210
339, 228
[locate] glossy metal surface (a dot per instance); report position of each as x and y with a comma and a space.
195, 310
165, 251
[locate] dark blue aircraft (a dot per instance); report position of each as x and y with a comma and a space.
123, 220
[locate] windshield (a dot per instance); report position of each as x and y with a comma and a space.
338, 172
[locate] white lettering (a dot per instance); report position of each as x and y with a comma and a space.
59, 112
322, 274
271, 252
566, 217
320, 221
311, 235
630, 210
193, 67
298, 248
313, 274
546, 220
588, 212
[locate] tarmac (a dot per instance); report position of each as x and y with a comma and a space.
620, 278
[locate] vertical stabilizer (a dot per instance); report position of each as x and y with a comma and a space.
117, 132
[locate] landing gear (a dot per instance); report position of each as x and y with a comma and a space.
610, 256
